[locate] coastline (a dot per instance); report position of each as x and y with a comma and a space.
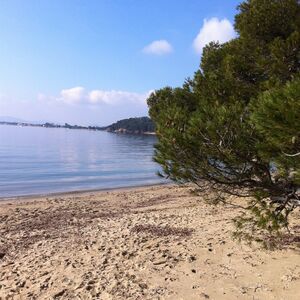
76, 127
154, 242
5, 199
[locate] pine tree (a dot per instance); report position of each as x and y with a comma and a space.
234, 127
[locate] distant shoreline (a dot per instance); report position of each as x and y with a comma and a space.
76, 127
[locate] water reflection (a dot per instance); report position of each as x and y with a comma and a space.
40, 160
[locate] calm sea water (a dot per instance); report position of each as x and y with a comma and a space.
42, 160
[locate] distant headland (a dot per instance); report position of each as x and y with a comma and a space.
141, 125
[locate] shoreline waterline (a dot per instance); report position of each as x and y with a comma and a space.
4, 199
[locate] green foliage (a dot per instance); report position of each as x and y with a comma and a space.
276, 117
235, 124
265, 20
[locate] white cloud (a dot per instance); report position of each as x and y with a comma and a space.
116, 97
213, 30
74, 95
79, 95
159, 47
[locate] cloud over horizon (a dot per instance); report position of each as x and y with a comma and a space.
159, 47
79, 95
213, 30
78, 105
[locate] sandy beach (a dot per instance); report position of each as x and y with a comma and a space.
158, 242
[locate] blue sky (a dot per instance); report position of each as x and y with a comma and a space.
94, 62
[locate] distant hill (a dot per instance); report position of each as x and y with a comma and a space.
141, 125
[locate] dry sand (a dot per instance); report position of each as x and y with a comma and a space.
145, 243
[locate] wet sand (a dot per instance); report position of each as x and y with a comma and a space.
159, 242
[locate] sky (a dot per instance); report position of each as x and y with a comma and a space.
93, 62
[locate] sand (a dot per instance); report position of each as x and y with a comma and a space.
157, 242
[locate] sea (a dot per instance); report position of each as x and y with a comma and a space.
39, 161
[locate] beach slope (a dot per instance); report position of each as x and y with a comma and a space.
157, 242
